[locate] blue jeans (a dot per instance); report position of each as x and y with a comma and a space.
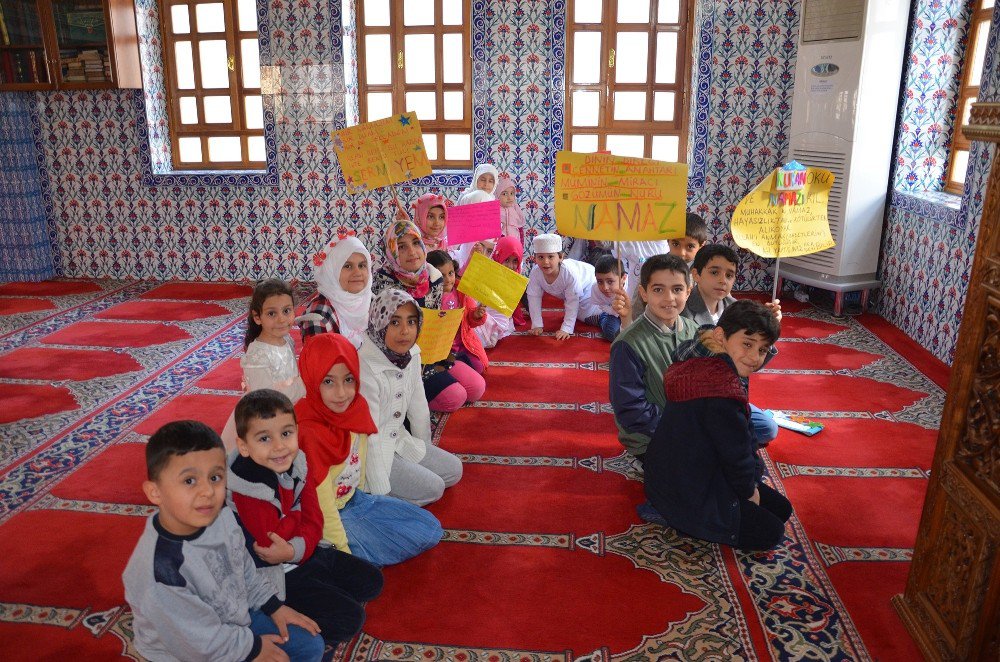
609, 325
764, 427
300, 645
385, 530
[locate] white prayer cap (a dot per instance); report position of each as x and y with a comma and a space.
547, 243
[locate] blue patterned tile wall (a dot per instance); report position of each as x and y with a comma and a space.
927, 252
111, 222
939, 30
25, 246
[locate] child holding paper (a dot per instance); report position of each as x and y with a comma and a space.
467, 348
497, 326
402, 462
565, 279
447, 387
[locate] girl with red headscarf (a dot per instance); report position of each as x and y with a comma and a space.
334, 424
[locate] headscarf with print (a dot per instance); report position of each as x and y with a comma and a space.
351, 309
511, 218
423, 205
325, 436
385, 305
417, 283
480, 170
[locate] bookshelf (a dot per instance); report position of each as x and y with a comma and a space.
68, 44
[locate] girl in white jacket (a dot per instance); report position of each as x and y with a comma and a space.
401, 463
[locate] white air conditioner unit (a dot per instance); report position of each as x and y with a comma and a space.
847, 78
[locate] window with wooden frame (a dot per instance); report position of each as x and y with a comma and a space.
211, 58
627, 68
972, 73
414, 55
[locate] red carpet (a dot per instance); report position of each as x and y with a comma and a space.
544, 557
14, 306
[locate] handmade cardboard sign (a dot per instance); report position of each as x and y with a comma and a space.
437, 334
786, 214
618, 198
467, 223
493, 284
381, 153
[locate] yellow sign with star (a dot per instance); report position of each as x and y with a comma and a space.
381, 153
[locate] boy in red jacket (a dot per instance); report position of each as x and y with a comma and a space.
280, 514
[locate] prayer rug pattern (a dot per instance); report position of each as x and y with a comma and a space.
544, 557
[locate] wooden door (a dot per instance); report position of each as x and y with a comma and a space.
952, 601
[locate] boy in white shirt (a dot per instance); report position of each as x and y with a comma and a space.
564, 279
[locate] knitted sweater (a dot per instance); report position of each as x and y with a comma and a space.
639, 357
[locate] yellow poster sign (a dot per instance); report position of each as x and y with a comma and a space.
493, 284
381, 153
618, 198
437, 334
784, 219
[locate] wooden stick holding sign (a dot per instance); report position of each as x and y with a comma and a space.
437, 334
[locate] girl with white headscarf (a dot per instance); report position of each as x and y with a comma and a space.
344, 284
484, 178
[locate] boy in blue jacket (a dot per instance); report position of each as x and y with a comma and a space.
703, 476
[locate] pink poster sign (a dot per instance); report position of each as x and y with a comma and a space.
467, 223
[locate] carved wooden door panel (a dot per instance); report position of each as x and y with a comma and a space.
952, 601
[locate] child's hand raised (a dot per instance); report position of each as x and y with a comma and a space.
622, 305
562, 335
280, 550
479, 312
536, 330
269, 651
775, 308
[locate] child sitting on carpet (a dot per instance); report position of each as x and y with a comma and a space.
703, 476
343, 290
269, 357
268, 488
334, 428
564, 279
612, 310
714, 273
402, 462
192, 586
641, 353
467, 347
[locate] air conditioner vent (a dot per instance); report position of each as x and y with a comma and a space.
832, 20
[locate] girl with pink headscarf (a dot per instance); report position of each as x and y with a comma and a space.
511, 216
431, 215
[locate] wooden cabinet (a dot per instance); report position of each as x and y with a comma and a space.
68, 44
952, 601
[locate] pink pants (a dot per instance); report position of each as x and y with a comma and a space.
469, 386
